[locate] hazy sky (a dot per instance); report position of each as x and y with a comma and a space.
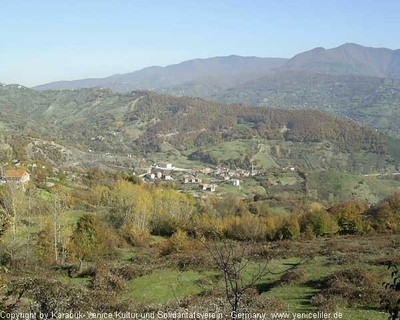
44, 41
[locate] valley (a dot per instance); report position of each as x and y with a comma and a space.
232, 183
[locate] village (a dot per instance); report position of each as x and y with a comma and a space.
193, 180
203, 179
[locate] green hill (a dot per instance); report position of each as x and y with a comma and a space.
142, 121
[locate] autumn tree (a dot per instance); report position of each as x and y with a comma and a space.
12, 208
386, 214
349, 216
131, 210
318, 222
60, 203
171, 210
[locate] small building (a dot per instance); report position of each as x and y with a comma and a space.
185, 179
197, 180
211, 187
167, 177
164, 165
235, 182
203, 186
18, 176
189, 179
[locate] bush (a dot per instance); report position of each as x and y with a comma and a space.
129, 272
292, 277
199, 261
179, 242
352, 287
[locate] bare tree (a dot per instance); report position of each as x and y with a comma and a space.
12, 205
242, 268
59, 207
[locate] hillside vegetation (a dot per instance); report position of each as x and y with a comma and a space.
130, 131
103, 119
351, 81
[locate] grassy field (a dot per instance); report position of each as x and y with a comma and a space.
167, 285
298, 273
336, 186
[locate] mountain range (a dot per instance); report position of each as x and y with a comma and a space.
221, 71
224, 72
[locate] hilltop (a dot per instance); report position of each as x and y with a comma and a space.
349, 58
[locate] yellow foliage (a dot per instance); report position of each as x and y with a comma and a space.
179, 242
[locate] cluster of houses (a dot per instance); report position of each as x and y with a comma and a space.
208, 187
199, 181
191, 179
227, 173
162, 171
159, 175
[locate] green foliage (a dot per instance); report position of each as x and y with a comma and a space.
391, 298
88, 240
319, 222
45, 243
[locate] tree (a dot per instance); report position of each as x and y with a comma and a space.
386, 213
318, 221
60, 204
241, 267
87, 239
349, 216
12, 207
132, 207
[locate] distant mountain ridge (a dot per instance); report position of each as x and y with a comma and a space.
222, 72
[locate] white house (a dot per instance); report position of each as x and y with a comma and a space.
164, 165
235, 182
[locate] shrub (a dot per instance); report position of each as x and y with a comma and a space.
129, 272
199, 261
179, 242
292, 277
350, 287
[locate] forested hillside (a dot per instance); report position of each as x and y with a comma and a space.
368, 100
150, 119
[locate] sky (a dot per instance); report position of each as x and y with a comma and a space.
52, 40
